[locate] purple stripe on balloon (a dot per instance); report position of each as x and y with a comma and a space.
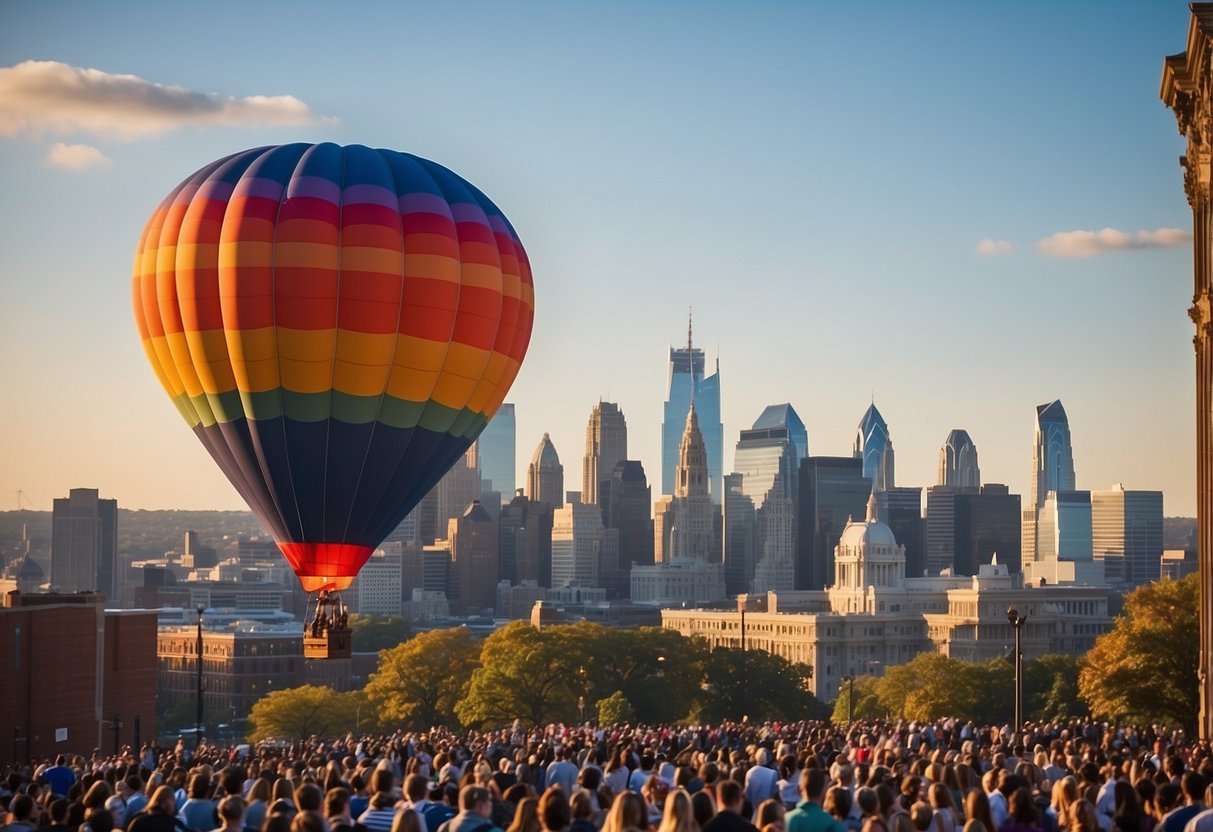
313, 187
498, 224
369, 195
426, 203
258, 186
468, 212
216, 189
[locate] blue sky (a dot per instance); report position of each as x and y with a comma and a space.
815, 179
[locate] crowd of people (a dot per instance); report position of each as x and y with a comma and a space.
943, 776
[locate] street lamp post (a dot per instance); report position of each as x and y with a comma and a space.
116, 725
198, 726
581, 708
1017, 621
849, 680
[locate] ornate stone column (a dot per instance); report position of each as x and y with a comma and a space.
1187, 88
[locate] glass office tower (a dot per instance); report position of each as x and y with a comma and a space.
498, 444
875, 448
688, 382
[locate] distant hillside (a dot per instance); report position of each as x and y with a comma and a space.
143, 533
1178, 532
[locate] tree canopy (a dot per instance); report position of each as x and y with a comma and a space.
419, 683
1145, 667
297, 713
372, 633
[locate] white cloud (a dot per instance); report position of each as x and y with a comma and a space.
993, 248
1089, 243
76, 157
41, 97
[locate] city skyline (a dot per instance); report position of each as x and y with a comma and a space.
892, 241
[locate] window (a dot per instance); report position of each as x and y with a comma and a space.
17, 648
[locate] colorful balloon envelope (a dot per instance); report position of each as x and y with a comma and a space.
336, 325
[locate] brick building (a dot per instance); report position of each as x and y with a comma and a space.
69, 667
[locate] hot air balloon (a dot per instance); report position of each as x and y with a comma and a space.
336, 325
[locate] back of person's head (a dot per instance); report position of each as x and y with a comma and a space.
868, 802
1193, 785
406, 820
231, 809
21, 807
99, 820
307, 822
729, 793
554, 811
163, 801
200, 787
1021, 807
470, 797
921, 816
309, 798
580, 805
702, 807
627, 812
232, 779
837, 802
1174, 765
382, 780
58, 811
812, 784
335, 801
416, 787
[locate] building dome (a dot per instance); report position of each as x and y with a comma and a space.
867, 533
545, 455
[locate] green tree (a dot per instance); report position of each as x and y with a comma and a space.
298, 713
614, 709
528, 674
419, 683
372, 633
1051, 688
1144, 669
757, 684
658, 671
930, 685
866, 701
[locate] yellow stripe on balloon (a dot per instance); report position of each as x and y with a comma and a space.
364, 361
306, 255
211, 361
366, 259
254, 356
432, 266
480, 276
184, 362
306, 376
241, 253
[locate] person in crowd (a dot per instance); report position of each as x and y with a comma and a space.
730, 800
526, 816
808, 816
231, 814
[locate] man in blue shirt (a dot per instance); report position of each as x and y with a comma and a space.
59, 777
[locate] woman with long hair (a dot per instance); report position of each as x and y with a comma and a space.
977, 807
678, 816
628, 814
771, 812
526, 816
406, 820
1021, 813
946, 818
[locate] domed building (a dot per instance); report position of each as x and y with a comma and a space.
868, 558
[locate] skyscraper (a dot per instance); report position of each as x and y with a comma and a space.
498, 454
545, 475
1126, 534
832, 492
84, 543
692, 533
767, 463
626, 503
986, 523
874, 446
1052, 453
525, 542
473, 539
606, 445
958, 461
1052, 470
901, 509
576, 538
687, 382
1063, 526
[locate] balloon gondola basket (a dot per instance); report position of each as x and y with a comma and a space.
326, 632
